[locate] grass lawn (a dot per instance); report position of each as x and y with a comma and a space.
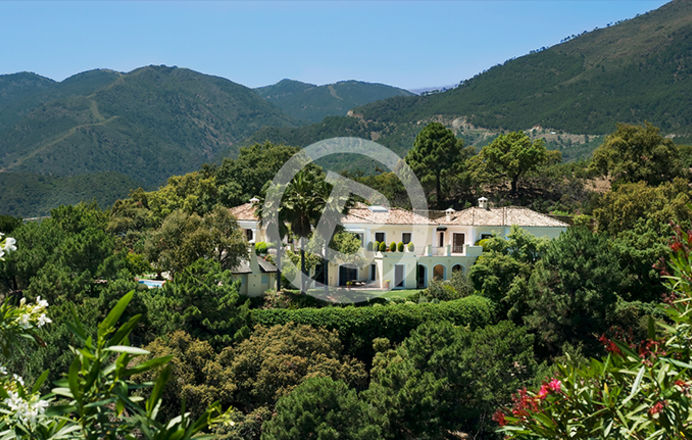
396, 294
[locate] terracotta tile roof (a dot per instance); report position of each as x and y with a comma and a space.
507, 216
393, 216
246, 211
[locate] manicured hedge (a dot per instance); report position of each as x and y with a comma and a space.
358, 326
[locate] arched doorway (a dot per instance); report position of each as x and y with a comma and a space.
457, 268
439, 272
421, 277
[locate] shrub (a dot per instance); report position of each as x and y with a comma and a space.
411, 247
319, 408
400, 247
261, 247
392, 247
441, 291
383, 247
358, 326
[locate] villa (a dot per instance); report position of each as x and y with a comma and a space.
439, 246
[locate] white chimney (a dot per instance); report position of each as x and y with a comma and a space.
448, 214
483, 203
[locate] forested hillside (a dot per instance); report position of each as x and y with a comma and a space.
312, 103
146, 124
634, 71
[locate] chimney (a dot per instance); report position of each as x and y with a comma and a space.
483, 203
448, 214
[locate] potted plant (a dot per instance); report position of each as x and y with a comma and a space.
386, 284
411, 247
400, 246
392, 247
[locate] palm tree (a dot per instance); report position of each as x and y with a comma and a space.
305, 200
302, 206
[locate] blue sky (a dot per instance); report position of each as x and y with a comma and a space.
407, 44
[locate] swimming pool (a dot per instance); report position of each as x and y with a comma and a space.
152, 284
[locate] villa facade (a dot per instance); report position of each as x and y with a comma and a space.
440, 245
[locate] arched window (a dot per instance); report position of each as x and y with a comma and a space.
439, 272
457, 268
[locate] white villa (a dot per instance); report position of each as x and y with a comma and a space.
440, 246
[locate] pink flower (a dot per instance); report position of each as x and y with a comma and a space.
544, 391
555, 385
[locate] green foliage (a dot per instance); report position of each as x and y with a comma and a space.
639, 390
98, 394
573, 290
411, 247
203, 301
400, 247
197, 378
321, 408
382, 247
436, 156
358, 326
510, 157
392, 246
34, 194
445, 378
184, 238
636, 153
8, 223
261, 247
274, 360
503, 269
623, 207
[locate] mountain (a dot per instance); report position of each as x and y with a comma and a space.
572, 93
312, 103
640, 69
147, 124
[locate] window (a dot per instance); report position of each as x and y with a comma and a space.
249, 234
373, 272
406, 237
265, 279
442, 239
379, 237
458, 243
484, 236
439, 272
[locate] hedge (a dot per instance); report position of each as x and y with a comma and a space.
358, 326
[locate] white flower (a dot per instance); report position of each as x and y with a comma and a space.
3, 370
18, 379
10, 244
24, 320
43, 320
26, 411
42, 303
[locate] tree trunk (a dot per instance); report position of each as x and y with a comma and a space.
302, 268
438, 189
278, 267
515, 182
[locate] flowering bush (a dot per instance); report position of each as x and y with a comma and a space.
98, 398
639, 390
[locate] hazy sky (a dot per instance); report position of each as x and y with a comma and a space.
407, 44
